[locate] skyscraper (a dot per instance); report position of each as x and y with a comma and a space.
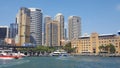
36, 26
46, 20
13, 30
23, 20
4, 31
60, 18
52, 33
74, 27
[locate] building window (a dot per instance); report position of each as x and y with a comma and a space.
77, 20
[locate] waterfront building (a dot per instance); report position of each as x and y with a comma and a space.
74, 27
90, 43
60, 18
52, 33
46, 20
4, 32
13, 30
23, 20
36, 26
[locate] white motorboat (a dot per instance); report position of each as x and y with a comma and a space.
59, 53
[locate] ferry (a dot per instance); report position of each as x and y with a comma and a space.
8, 54
59, 53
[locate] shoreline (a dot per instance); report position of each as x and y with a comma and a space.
100, 55
97, 55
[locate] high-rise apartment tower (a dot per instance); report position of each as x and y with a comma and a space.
46, 20
74, 27
36, 26
60, 18
23, 20
52, 33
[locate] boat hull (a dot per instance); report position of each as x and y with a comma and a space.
9, 57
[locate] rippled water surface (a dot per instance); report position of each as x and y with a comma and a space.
62, 62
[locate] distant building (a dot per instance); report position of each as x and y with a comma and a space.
60, 18
13, 30
52, 33
90, 43
36, 26
74, 27
4, 31
23, 20
46, 20
65, 34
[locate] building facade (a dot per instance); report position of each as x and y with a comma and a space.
23, 20
91, 43
36, 26
52, 33
74, 27
60, 18
13, 30
46, 20
4, 32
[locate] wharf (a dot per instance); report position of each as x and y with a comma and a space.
101, 55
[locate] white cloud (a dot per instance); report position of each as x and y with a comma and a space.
118, 7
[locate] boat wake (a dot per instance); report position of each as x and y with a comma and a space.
64, 57
8, 63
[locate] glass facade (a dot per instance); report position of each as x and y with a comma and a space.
3, 33
13, 30
36, 26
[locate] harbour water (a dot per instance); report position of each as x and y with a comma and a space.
62, 62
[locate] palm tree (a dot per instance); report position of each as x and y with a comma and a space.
102, 48
107, 48
110, 48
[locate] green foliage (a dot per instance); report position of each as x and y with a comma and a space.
37, 49
107, 48
101, 48
112, 48
68, 48
44, 48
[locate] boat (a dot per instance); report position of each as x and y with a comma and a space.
59, 53
8, 54
63, 55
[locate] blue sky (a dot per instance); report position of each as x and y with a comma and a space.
102, 16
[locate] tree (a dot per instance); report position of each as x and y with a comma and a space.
45, 49
110, 48
102, 48
68, 48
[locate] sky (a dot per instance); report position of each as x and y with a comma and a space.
101, 16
